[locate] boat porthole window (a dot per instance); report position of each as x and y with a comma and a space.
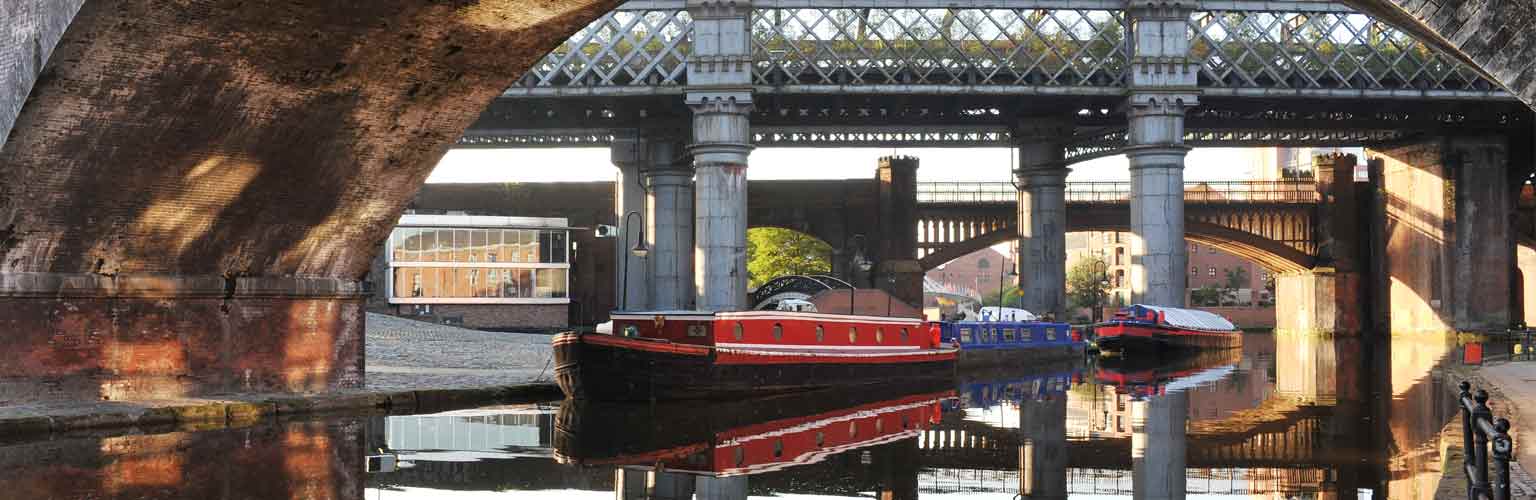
853, 335
853, 429
821, 438
821, 333
879, 426
741, 456
879, 335
631, 331
904, 336
739, 330
778, 448
778, 331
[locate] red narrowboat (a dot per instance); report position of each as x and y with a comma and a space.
1152, 328
702, 355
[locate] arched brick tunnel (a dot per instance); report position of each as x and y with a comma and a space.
192, 189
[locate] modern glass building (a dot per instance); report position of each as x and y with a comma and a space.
443, 264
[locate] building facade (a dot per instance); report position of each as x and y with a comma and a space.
1208, 266
487, 272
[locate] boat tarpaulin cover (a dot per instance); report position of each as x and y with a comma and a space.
1185, 318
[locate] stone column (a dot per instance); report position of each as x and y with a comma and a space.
1158, 446
1329, 298
1485, 236
669, 232
628, 153
720, 95
899, 272
1162, 86
1042, 216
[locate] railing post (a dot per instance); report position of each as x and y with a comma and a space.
1480, 464
1501, 456
1467, 431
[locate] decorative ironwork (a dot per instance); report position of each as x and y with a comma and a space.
538, 139
938, 46
1319, 50
1479, 429
622, 48
881, 136
768, 295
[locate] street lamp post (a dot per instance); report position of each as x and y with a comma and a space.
639, 250
1102, 270
861, 264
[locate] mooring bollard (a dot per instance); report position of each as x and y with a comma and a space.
1479, 429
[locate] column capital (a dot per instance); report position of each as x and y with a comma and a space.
718, 9
1161, 10
1153, 103
628, 148
721, 101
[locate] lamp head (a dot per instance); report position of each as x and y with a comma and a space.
640, 250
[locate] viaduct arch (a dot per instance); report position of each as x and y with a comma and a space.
1273, 255
184, 175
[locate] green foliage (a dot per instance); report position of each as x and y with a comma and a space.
1237, 277
1086, 286
1207, 295
774, 252
1012, 296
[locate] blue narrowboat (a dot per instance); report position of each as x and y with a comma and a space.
988, 342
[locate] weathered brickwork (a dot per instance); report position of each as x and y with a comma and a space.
74, 337
1492, 35
211, 139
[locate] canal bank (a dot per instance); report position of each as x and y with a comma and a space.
412, 367
1511, 395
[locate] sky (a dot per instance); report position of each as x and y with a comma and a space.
950, 164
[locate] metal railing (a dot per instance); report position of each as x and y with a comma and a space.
1299, 191
1478, 428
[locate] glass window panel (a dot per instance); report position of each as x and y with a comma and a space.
445, 245
472, 283
411, 238
492, 245
493, 280
477, 242
508, 288
461, 245
508, 250
557, 247
397, 249
544, 253
552, 283
524, 250
524, 282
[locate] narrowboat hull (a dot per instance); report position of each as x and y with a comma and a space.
613, 368
1120, 337
981, 359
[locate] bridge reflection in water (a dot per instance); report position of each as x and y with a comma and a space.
1293, 416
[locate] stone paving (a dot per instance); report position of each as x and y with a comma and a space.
405, 354
1516, 381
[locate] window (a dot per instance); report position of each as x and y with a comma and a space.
853, 335
738, 331
778, 331
1008, 334
478, 265
1050, 333
820, 333
965, 335
1210, 249
1120, 256
1194, 270
879, 335
904, 335
1211, 272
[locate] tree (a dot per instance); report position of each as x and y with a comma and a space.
1086, 286
1206, 295
774, 252
1012, 297
1237, 278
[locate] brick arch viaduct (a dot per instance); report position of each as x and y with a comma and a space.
193, 189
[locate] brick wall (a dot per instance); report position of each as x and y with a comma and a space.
506, 317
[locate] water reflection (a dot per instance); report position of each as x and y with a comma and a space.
1289, 415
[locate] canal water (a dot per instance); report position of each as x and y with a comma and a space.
1286, 416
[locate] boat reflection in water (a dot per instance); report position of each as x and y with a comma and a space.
688, 450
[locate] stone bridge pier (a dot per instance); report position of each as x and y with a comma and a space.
1042, 216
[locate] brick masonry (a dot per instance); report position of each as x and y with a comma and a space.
214, 141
